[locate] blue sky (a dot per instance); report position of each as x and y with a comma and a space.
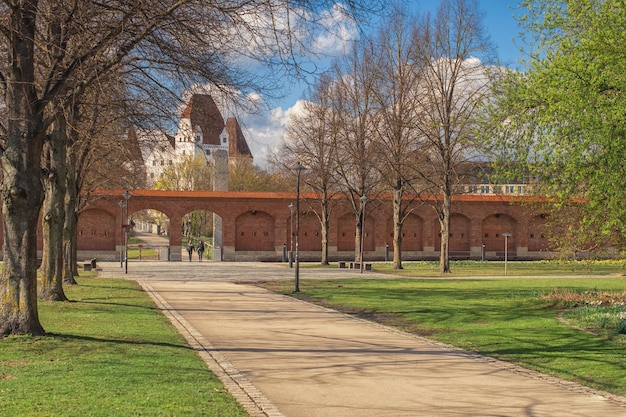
263, 133
502, 28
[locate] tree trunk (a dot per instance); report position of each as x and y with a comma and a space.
357, 240
70, 269
325, 219
74, 168
21, 191
397, 228
444, 222
53, 213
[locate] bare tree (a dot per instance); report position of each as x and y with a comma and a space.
454, 85
356, 140
399, 145
98, 156
91, 40
310, 139
53, 210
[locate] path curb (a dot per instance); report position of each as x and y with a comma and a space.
246, 394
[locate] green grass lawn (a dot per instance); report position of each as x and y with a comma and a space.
507, 318
514, 268
110, 352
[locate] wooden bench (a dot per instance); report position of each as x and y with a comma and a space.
89, 264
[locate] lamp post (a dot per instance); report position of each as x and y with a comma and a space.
126, 196
122, 204
363, 202
506, 235
291, 206
299, 168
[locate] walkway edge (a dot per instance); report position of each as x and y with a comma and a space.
246, 394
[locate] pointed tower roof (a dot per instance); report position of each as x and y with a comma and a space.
237, 144
133, 147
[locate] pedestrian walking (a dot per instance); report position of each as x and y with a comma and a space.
190, 248
200, 250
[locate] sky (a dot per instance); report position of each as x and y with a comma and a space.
264, 132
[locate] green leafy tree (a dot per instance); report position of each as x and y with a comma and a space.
562, 121
190, 174
243, 175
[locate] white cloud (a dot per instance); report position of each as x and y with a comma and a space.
264, 132
283, 31
340, 31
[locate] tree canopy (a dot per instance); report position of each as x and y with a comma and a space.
562, 121
54, 51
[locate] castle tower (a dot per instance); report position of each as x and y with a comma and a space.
202, 113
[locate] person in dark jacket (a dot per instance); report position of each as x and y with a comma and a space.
190, 248
200, 250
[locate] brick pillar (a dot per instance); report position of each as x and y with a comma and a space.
220, 183
176, 235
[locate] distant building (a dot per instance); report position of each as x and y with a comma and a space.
201, 131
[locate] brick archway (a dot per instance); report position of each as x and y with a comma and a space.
310, 233
255, 225
345, 232
254, 231
460, 229
494, 227
538, 238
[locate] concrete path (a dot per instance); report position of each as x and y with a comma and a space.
283, 357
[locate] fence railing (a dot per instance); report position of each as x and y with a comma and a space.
496, 189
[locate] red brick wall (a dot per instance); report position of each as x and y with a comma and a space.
261, 222
97, 229
254, 231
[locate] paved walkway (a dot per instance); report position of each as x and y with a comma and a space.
283, 357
